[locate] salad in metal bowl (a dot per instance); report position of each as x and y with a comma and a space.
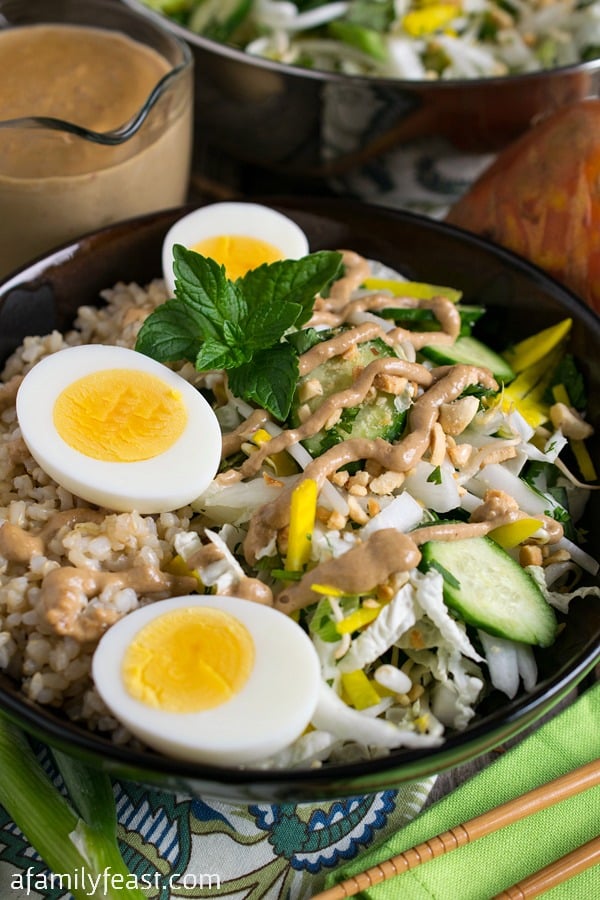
404, 39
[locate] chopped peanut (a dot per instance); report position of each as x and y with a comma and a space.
556, 557
371, 603
340, 478
336, 521
373, 507
385, 592
309, 389
570, 422
390, 384
530, 555
304, 412
387, 483
356, 512
460, 455
323, 513
333, 419
437, 445
455, 416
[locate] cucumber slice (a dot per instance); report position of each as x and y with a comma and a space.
472, 352
423, 319
489, 590
380, 417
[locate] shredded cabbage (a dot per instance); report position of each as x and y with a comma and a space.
407, 39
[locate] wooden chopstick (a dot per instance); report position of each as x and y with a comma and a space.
555, 873
533, 801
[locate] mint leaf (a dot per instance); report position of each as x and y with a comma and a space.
204, 287
269, 287
242, 326
215, 355
304, 340
172, 332
269, 380
265, 328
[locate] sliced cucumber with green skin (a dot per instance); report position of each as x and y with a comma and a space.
490, 590
378, 418
471, 352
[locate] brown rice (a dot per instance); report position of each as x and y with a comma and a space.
52, 669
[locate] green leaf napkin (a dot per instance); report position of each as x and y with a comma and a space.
480, 870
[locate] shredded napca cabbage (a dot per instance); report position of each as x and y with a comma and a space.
406, 39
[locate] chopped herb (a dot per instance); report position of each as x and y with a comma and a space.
286, 575
436, 476
303, 341
568, 374
323, 624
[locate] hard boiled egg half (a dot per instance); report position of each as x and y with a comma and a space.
240, 236
211, 679
119, 429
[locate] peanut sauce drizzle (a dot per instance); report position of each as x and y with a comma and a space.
66, 595
66, 600
387, 552
399, 457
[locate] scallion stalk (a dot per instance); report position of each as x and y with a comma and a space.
69, 840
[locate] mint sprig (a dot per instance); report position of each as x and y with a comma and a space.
239, 326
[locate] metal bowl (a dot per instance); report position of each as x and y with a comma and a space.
407, 144
521, 299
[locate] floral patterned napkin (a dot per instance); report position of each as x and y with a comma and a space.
193, 847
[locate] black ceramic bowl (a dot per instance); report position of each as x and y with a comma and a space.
521, 299
406, 144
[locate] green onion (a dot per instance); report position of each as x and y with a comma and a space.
70, 839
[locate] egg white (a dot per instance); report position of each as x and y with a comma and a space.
233, 218
270, 711
165, 482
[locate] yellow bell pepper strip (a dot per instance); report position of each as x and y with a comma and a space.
303, 512
358, 691
178, 566
559, 392
415, 289
328, 590
513, 534
357, 619
422, 723
584, 460
421, 22
527, 390
282, 462
580, 451
534, 348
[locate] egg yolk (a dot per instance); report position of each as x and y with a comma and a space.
238, 253
189, 660
120, 415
